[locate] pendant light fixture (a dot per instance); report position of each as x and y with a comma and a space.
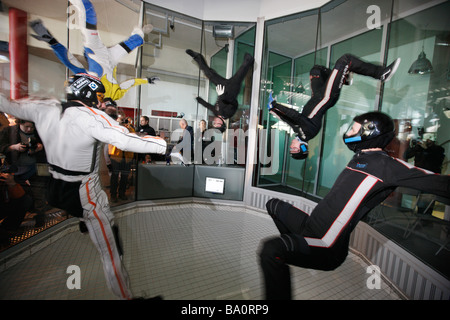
422, 65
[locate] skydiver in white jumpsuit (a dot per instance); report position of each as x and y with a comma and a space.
73, 133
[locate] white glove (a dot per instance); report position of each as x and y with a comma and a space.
220, 89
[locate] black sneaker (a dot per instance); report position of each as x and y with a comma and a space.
390, 70
82, 227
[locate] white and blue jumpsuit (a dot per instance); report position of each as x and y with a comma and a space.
73, 139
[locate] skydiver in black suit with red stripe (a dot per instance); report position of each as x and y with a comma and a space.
326, 85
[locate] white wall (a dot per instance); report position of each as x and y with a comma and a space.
238, 10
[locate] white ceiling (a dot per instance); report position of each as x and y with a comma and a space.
111, 14
119, 17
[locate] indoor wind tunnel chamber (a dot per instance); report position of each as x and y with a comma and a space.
223, 44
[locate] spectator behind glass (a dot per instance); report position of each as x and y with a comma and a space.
21, 145
23, 148
429, 156
204, 140
121, 162
188, 133
14, 203
144, 129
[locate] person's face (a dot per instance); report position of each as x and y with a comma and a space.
295, 146
142, 121
217, 123
182, 125
27, 127
354, 129
202, 125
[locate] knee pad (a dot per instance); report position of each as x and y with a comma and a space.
272, 248
286, 243
270, 205
320, 71
274, 206
343, 61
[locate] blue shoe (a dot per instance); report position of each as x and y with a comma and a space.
86, 13
133, 42
269, 104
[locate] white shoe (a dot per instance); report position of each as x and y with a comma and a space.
390, 70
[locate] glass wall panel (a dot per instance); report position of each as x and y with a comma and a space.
302, 174
175, 99
356, 99
44, 75
166, 102
286, 77
417, 99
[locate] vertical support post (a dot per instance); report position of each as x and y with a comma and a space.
18, 53
254, 109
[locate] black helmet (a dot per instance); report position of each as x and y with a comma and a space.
377, 130
110, 102
85, 88
300, 155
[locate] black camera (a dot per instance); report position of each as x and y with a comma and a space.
31, 145
8, 168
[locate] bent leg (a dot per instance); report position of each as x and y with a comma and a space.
350, 63
275, 255
287, 218
120, 50
344, 65
243, 69
295, 120
210, 73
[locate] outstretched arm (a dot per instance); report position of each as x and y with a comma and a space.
106, 130
119, 90
26, 109
407, 175
207, 105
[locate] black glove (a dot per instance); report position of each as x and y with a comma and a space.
152, 79
42, 33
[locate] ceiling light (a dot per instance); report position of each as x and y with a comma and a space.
422, 65
223, 31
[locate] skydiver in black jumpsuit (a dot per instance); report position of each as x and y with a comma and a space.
321, 240
326, 85
226, 104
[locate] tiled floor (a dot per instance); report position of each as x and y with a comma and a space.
182, 252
